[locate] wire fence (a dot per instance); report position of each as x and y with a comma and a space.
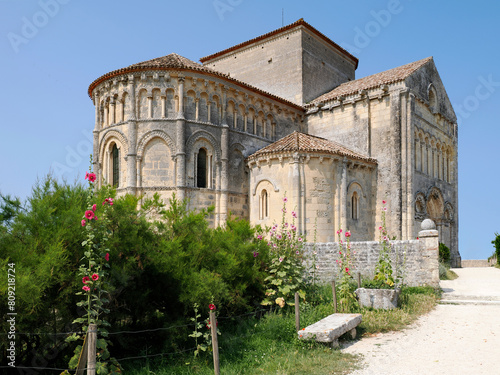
129, 332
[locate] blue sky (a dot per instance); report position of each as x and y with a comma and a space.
51, 50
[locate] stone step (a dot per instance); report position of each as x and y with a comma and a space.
469, 302
331, 328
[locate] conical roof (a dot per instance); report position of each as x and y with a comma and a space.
301, 142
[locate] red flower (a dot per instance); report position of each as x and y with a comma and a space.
89, 214
85, 288
95, 277
347, 269
83, 222
90, 176
384, 202
85, 279
94, 207
211, 306
347, 233
106, 257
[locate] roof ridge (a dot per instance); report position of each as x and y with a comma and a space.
299, 22
388, 76
303, 142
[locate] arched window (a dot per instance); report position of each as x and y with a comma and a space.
264, 204
354, 206
115, 155
201, 169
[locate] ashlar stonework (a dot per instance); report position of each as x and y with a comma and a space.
283, 114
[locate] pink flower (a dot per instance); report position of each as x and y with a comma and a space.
294, 214
384, 202
255, 254
380, 228
293, 227
347, 233
211, 307
283, 210
83, 222
285, 199
85, 279
297, 252
286, 225
300, 239
275, 246
89, 214
106, 257
110, 201
317, 267
385, 238
94, 207
86, 288
95, 277
259, 237
384, 209
90, 176
281, 259
347, 269
339, 231
279, 237
340, 252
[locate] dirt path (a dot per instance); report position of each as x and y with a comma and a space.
452, 339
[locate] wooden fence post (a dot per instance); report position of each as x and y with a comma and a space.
91, 350
359, 280
215, 345
334, 291
297, 312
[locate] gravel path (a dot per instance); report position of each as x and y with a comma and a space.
452, 339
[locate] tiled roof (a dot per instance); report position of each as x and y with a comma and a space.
389, 76
176, 62
300, 22
300, 142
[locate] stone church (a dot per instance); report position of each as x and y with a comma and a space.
283, 114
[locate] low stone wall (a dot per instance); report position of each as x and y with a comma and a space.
416, 259
475, 263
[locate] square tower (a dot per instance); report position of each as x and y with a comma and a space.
295, 62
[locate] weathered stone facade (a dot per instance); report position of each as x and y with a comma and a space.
211, 133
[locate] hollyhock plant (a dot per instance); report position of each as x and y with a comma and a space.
286, 269
93, 272
383, 271
347, 299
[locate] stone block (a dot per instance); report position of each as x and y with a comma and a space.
331, 328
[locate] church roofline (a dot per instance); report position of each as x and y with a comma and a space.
387, 77
301, 142
175, 62
281, 30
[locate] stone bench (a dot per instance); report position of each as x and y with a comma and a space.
331, 328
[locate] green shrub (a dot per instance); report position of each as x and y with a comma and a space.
496, 244
444, 253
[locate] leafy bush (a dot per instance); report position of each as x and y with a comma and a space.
159, 269
496, 244
444, 253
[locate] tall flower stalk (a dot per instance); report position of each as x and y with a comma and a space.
286, 271
347, 299
93, 272
383, 270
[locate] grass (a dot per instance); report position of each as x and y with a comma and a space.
269, 345
445, 273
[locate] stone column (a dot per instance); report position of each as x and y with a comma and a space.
343, 195
429, 248
97, 127
296, 191
181, 143
132, 141
224, 142
112, 113
163, 106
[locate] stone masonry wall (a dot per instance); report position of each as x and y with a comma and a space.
417, 259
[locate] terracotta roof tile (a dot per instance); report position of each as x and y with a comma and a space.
300, 22
175, 61
300, 142
389, 76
